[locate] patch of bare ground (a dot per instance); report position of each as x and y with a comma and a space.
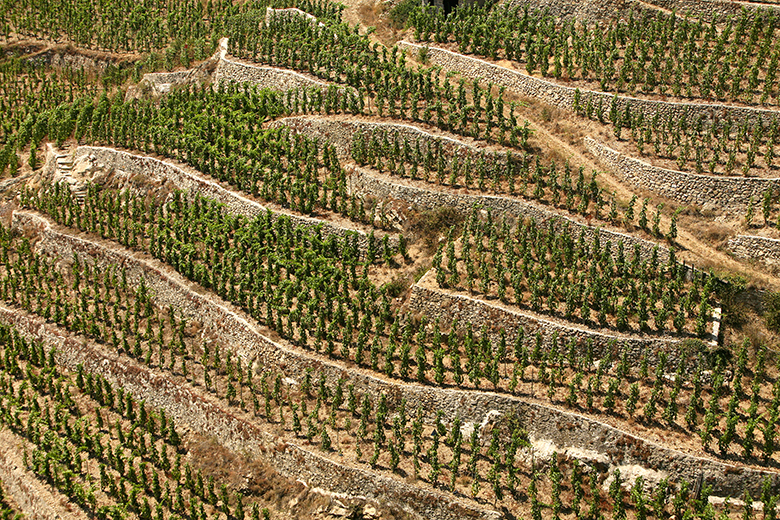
373, 14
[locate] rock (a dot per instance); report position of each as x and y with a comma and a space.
371, 512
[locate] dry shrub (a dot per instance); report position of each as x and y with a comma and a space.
427, 226
715, 233
369, 13
253, 478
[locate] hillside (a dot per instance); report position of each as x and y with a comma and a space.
300, 259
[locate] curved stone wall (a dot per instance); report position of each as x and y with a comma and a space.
766, 250
231, 71
546, 424
363, 181
563, 97
686, 188
194, 184
339, 133
446, 305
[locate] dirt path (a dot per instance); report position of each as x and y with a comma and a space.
693, 249
34, 47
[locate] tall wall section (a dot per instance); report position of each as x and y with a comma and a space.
763, 249
564, 97
686, 188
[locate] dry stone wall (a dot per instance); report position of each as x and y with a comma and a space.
591, 10
340, 133
448, 306
545, 424
563, 97
368, 183
686, 188
716, 8
231, 71
36, 500
194, 184
207, 418
72, 60
290, 12
162, 82
766, 250
599, 10
223, 70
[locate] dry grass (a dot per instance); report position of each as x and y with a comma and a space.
287, 498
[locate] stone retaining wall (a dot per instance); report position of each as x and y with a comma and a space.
340, 134
194, 184
566, 430
72, 59
290, 12
720, 8
563, 97
447, 306
430, 301
590, 10
222, 70
686, 188
763, 249
363, 181
230, 71
36, 500
162, 82
600, 10
208, 418
167, 288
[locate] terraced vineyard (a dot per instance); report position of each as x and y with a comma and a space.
298, 259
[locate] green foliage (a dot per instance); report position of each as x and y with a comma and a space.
399, 13
772, 311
